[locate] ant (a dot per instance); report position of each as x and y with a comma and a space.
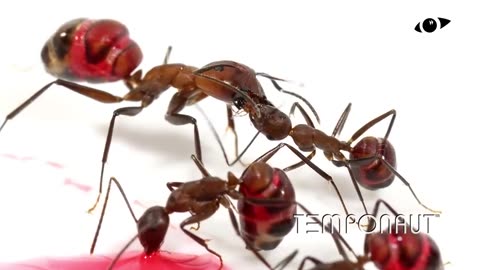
152, 226
265, 225
259, 185
397, 247
99, 51
372, 162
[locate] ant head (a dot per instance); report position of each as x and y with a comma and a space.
257, 177
239, 102
271, 122
234, 73
152, 228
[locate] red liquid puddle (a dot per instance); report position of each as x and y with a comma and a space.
129, 261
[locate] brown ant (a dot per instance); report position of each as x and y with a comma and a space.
397, 247
372, 162
153, 224
260, 186
97, 51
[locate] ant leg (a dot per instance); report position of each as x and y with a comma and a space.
392, 169
337, 237
397, 174
219, 141
270, 153
207, 211
231, 128
177, 103
112, 180
341, 121
373, 122
92, 93
200, 166
234, 221
387, 205
114, 261
283, 263
346, 163
309, 258
309, 121
129, 111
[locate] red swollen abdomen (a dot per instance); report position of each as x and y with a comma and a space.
373, 174
265, 226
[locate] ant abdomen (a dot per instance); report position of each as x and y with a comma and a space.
91, 50
400, 248
373, 174
266, 226
152, 227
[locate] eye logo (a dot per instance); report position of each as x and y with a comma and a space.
429, 25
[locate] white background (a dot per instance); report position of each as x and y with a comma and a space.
364, 52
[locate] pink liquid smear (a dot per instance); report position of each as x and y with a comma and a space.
133, 260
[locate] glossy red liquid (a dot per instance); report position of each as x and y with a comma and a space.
133, 260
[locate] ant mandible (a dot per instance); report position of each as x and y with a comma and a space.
98, 51
396, 248
372, 162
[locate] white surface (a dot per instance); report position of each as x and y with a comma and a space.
366, 53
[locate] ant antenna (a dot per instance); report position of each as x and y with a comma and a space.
167, 55
268, 76
219, 141
279, 88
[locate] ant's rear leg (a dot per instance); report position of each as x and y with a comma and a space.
92, 93
129, 111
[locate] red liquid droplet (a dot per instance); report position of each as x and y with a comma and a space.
131, 260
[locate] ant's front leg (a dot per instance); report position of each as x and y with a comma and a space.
315, 261
177, 103
202, 213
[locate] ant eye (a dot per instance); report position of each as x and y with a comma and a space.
218, 68
239, 102
429, 25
